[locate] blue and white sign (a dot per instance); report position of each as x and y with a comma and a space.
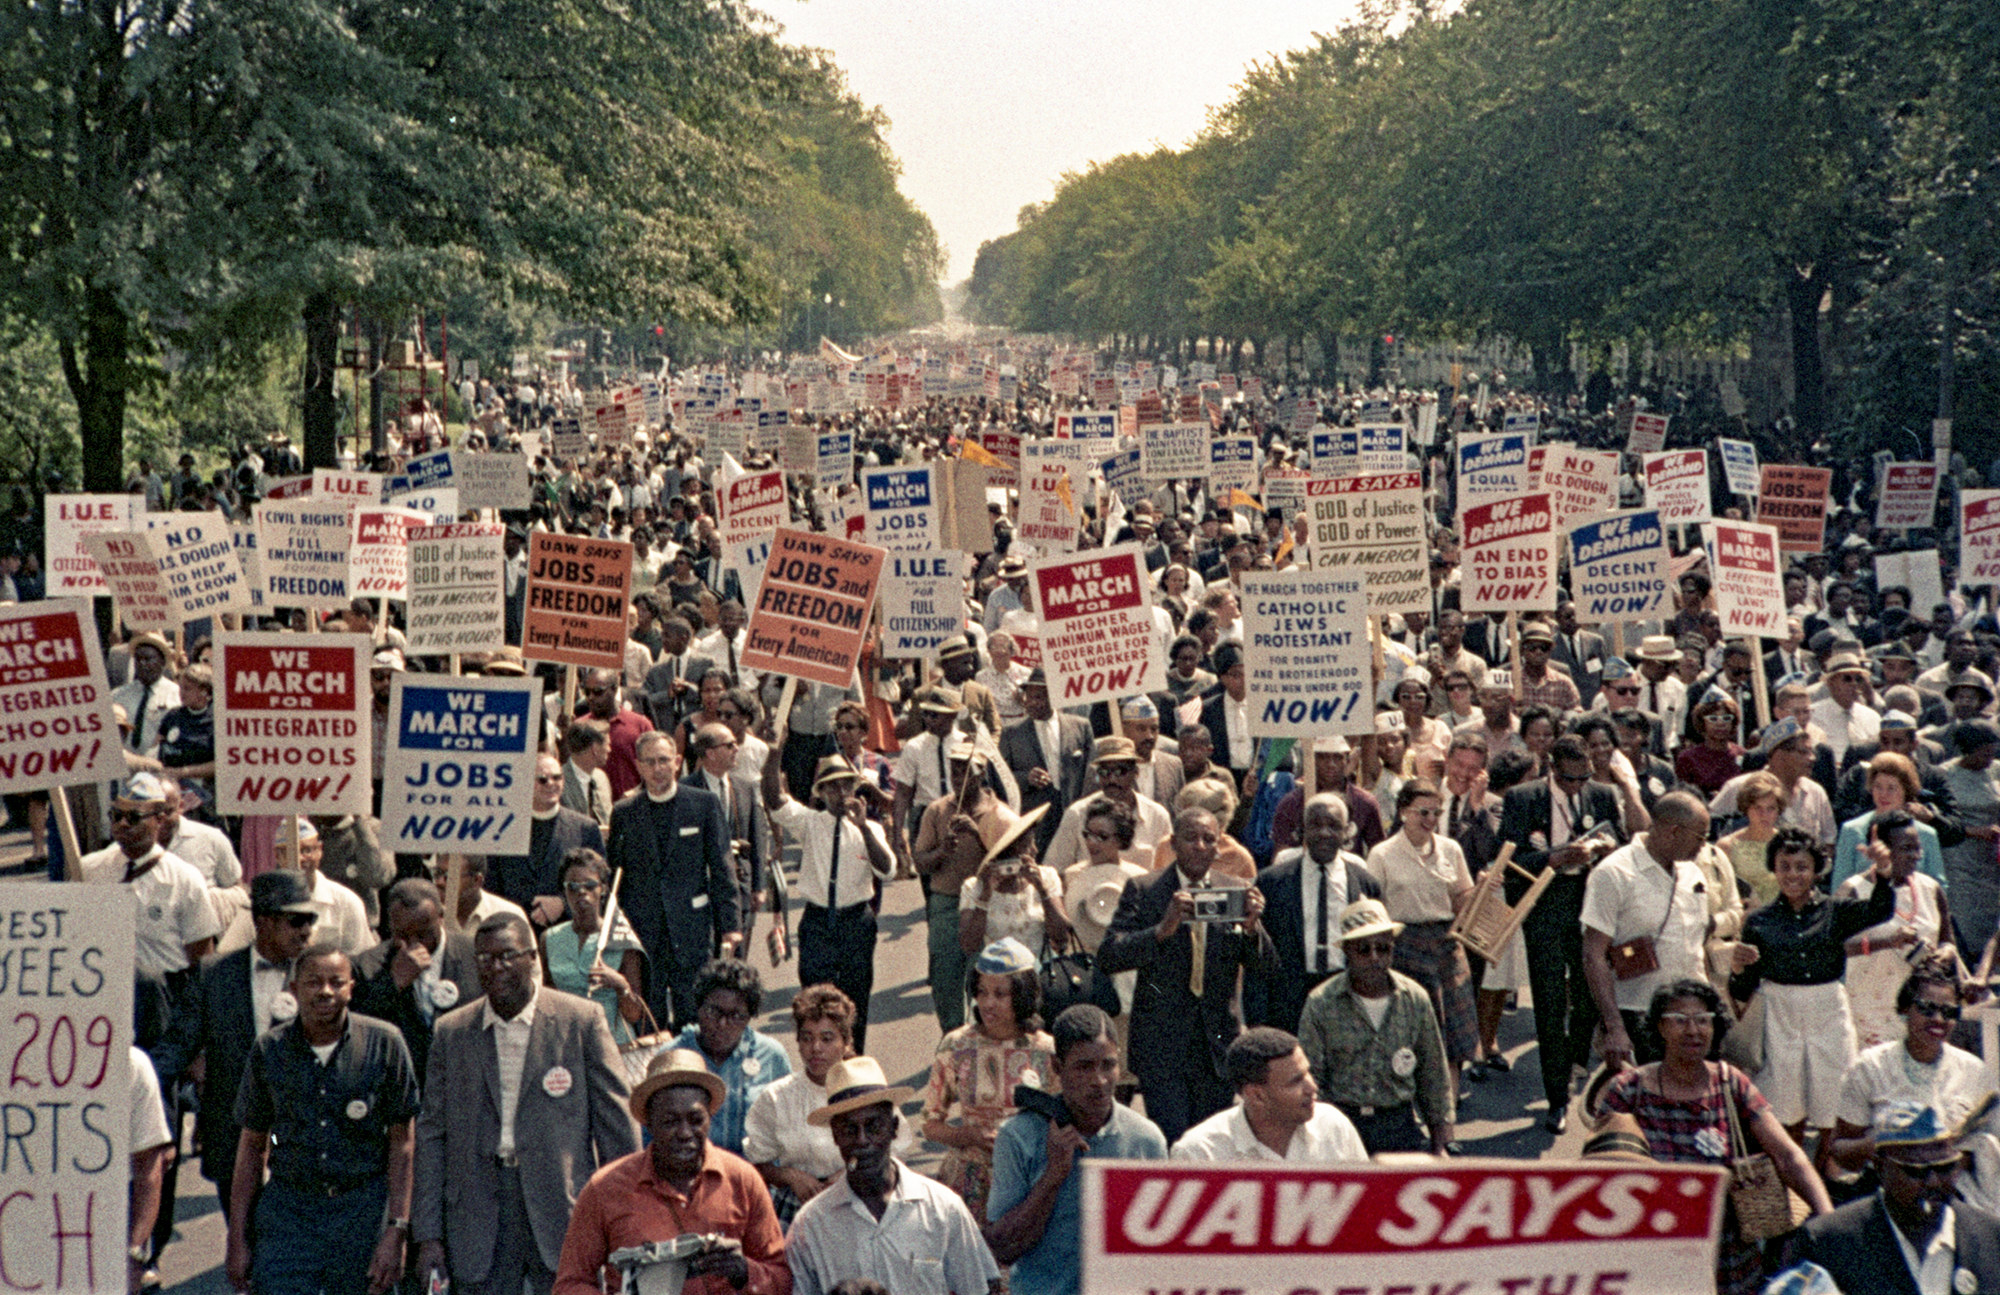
1309, 656
1336, 451
1618, 567
440, 502
902, 509
1383, 446
923, 603
425, 472
833, 459
1087, 425
1123, 475
1492, 467
1232, 464
1525, 420
460, 765
1739, 466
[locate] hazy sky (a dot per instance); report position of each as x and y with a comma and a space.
990, 103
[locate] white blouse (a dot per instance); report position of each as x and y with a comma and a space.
1417, 886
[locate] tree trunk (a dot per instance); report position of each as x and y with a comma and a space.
1803, 292
371, 331
320, 409
99, 382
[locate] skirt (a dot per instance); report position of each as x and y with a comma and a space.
1428, 955
1808, 1046
1511, 971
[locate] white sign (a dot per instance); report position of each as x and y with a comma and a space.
1383, 447
1748, 575
923, 603
197, 556
1916, 571
1579, 483
1909, 496
1618, 567
1649, 434
1509, 556
1174, 451
1232, 464
457, 598
1373, 527
293, 732
243, 538
56, 725
1677, 485
1978, 537
379, 559
460, 764
1098, 640
350, 487
71, 571
1336, 451
833, 462
1739, 466
1492, 467
138, 590
1305, 637
302, 549
1047, 521
902, 508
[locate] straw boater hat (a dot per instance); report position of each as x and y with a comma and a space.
1114, 750
1366, 917
1091, 894
1012, 568
958, 645
1009, 841
507, 661
1537, 632
850, 1085
672, 1069
1618, 1137
152, 639
940, 700
1844, 663
832, 768
1659, 647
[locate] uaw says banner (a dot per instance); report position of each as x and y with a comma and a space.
1467, 1227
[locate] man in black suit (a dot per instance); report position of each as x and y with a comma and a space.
1544, 819
241, 995
1183, 1008
1304, 890
671, 841
1049, 754
420, 972
1866, 1244
1228, 709
1580, 651
530, 880
713, 752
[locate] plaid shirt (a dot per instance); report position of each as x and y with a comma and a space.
1554, 691
1354, 1063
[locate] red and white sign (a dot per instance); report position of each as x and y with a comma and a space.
1098, 638
1677, 485
72, 572
750, 507
812, 608
351, 487
1979, 537
1579, 483
138, 590
293, 734
1585, 1227
1002, 445
1748, 569
378, 561
1649, 433
577, 593
457, 600
1909, 496
56, 727
1795, 499
1373, 526
1048, 514
1509, 556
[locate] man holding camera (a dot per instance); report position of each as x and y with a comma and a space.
1186, 931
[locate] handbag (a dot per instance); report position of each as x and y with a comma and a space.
1071, 978
1637, 956
1762, 1202
637, 1055
1743, 1046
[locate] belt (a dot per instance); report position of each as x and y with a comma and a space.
1370, 1112
836, 911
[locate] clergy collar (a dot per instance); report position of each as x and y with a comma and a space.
661, 800
552, 812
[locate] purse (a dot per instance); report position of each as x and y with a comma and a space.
1637, 956
1762, 1202
637, 1055
1743, 1046
1071, 978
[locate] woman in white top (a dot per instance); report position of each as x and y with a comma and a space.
1424, 884
1878, 959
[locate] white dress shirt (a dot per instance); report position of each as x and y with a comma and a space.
267, 980
510, 1046
1236, 722
1336, 896
1845, 728
171, 901
1932, 1270
1329, 1136
209, 851
813, 829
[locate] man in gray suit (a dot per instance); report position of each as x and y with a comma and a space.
1580, 651
712, 751
1049, 755
420, 972
524, 1101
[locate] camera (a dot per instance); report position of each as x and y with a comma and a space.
1219, 903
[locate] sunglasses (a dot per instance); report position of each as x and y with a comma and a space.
1372, 949
1624, 692
1942, 1011
1687, 1018
131, 815
1927, 1168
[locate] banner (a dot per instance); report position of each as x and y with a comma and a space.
293, 732
1174, 452
1335, 451
197, 557
902, 509
1087, 424
1307, 654
67, 1008
1677, 485
378, 564
302, 548
1579, 483
1509, 556
1098, 639
349, 487
1649, 434
138, 590
1979, 537
494, 479
811, 613
1747, 564
56, 725
1232, 465
833, 460
577, 594
1908, 499
71, 570
460, 764
1618, 567
1445, 1227
1374, 527
1047, 517
923, 603
1384, 447
1491, 467
1794, 500
1739, 466
457, 595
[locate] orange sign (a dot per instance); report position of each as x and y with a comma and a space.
813, 607
577, 592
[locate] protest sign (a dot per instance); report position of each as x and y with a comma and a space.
1087, 425
138, 590
491, 480
566, 439
379, 559
1098, 640
1909, 496
1285, 491
833, 458
197, 557
923, 603
1373, 526
1579, 483
1427, 421
243, 538
902, 509
1047, 519
1174, 452
457, 597
1522, 420
436, 503
1794, 500
71, 570
1747, 567
1509, 556
798, 448
293, 733
302, 549
1002, 445
1232, 464
1336, 451
56, 726
1979, 537
425, 472
1915, 570
1308, 654
460, 764
1618, 567
1384, 447
1462, 1225
349, 487
1649, 434
1124, 475
1491, 467
748, 508
578, 589
811, 612
1677, 485
1739, 466
67, 1012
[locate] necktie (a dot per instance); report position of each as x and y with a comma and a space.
139, 720
1653, 698
1319, 941
732, 660
1575, 815
1457, 813
1198, 965
833, 869
944, 778
596, 801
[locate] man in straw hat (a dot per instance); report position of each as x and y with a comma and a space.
1908, 1236
681, 1183
1661, 693
882, 1221
958, 661
952, 840
1372, 1038
1115, 763
1842, 715
148, 695
843, 856
177, 925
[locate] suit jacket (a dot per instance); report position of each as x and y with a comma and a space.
216, 1020
1022, 751
576, 791
1524, 814
521, 877
1280, 999
375, 992
1165, 1015
1591, 648
678, 892
561, 1139
747, 822
1856, 1244
1478, 834
1217, 725
1486, 639
659, 690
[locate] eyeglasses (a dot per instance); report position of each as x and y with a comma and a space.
1571, 777
1685, 1019
501, 958
130, 815
1433, 812
1942, 1011
1624, 692
1928, 1168
1091, 834
722, 1013
581, 887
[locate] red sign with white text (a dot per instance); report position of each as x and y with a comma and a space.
292, 728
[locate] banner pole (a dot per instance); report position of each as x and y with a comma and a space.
66, 827
1514, 651
1757, 681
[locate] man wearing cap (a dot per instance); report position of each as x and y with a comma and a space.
843, 857
149, 695
1970, 697
882, 1221
1789, 753
958, 661
1333, 771
1371, 1038
525, 1099
952, 840
1842, 715
1278, 1115
419, 973
1304, 890
1661, 693
1539, 684
1049, 755
176, 924
920, 769
1115, 763
1161, 774
1908, 1235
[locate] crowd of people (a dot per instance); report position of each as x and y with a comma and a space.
509, 1069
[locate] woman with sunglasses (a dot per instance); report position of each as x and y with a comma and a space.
580, 957
1424, 884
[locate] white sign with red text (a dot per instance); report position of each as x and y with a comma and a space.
1098, 639
379, 559
56, 725
293, 733
1579, 483
1509, 556
197, 556
138, 590
1649, 433
1909, 496
1979, 537
1677, 485
1747, 567
71, 570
